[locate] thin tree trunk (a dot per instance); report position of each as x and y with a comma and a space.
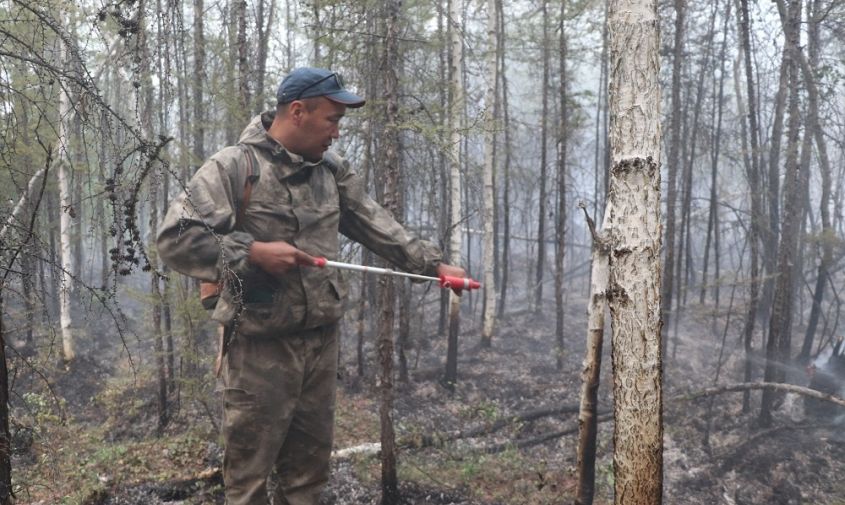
264, 30
770, 244
456, 113
66, 213
713, 214
146, 112
244, 74
5, 437
389, 480
814, 126
601, 165
198, 121
443, 33
560, 222
489, 317
752, 168
674, 164
544, 134
506, 198
591, 368
778, 346
634, 260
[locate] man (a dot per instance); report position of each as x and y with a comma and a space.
280, 363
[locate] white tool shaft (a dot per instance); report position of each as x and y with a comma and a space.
375, 270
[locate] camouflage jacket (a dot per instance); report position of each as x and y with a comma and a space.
302, 203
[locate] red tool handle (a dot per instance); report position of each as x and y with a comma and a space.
320, 262
458, 283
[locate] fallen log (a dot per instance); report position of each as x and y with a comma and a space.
750, 386
418, 441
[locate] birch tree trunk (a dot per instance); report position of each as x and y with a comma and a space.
65, 223
387, 291
456, 109
489, 318
634, 285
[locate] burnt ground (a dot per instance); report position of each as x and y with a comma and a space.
106, 436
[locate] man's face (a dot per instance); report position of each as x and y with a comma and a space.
318, 128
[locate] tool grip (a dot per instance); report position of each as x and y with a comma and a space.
458, 283
320, 262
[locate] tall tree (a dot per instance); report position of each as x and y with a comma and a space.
752, 175
456, 111
506, 167
560, 222
143, 56
387, 291
634, 284
814, 126
544, 135
489, 318
66, 213
715, 146
674, 163
778, 345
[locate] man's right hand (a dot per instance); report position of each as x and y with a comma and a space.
277, 258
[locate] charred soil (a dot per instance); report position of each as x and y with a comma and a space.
506, 435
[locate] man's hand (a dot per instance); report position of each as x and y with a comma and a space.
451, 271
277, 258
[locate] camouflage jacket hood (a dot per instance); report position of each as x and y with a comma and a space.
300, 202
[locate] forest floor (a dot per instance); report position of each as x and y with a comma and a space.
99, 445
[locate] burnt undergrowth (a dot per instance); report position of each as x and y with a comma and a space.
97, 443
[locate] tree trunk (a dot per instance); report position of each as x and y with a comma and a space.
5, 438
591, 368
778, 346
814, 126
244, 74
489, 318
264, 29
716, 144
456, 108
389, 480
674, 164
772, 193
443, 34
544, 134
66, 212
635, 259
147, 104
560, 222
506, 198
198, 121
752, 171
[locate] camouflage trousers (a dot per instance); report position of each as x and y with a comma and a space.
278, 412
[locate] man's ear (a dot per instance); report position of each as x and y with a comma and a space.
296, 110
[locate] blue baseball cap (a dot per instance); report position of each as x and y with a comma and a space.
307, 82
